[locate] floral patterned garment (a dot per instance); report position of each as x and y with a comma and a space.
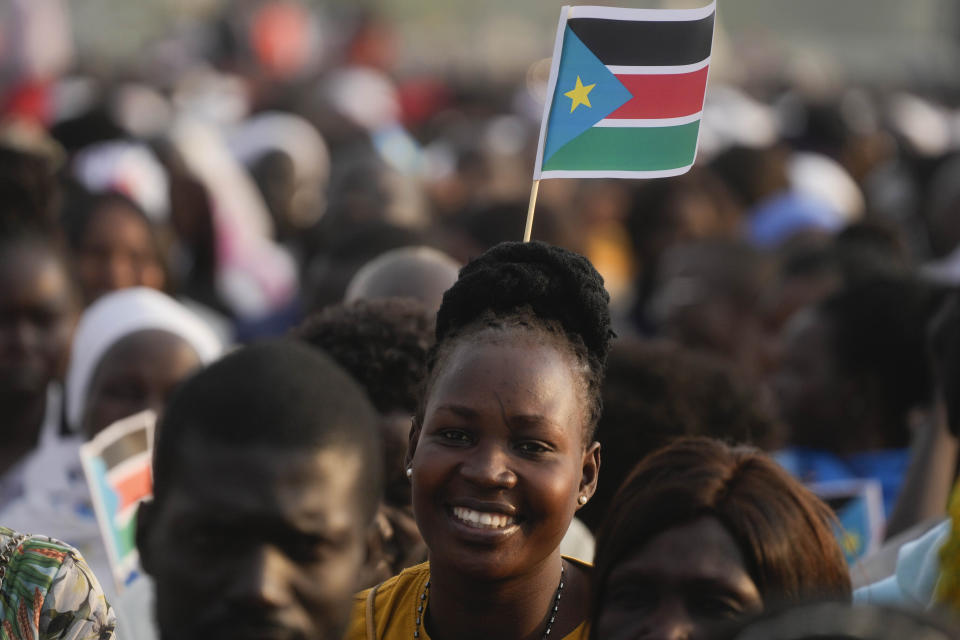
47, 592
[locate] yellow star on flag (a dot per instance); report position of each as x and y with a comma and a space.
578, 95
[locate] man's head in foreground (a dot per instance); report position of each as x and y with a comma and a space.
267, 474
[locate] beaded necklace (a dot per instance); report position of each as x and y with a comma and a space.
422, 605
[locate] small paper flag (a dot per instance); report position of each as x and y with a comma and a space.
117, 466
858, 505
626, 92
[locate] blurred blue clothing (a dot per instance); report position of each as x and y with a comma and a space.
272, 325
914, 581
773, 221
811, 465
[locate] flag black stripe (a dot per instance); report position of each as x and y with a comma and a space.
126, 447
642, 43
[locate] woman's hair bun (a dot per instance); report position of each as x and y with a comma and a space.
556, 284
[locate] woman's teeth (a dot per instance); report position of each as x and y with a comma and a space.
481, 519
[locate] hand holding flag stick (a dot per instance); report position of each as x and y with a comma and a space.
625, 95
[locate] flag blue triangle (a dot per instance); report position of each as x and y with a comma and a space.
578, 63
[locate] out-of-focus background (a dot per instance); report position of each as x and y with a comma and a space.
249, 157
881, 40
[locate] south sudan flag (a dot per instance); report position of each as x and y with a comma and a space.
626, 93
117, 466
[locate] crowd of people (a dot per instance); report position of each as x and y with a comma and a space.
719, 405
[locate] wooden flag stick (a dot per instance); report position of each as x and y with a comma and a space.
533, 205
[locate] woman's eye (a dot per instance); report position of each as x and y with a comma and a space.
455, 435
717, 607
532, 447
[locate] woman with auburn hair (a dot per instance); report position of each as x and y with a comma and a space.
702, 534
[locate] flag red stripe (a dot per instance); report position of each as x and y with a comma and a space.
132, 487
663, 95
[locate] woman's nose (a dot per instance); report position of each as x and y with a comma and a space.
488, 466
670, 621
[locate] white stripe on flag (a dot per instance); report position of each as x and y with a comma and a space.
649, 15
622, 70
649, 122
662, 173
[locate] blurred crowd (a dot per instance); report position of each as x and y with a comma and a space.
244, 182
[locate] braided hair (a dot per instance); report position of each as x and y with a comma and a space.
532, 286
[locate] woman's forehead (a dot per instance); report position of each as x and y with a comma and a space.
491, 360
520, 380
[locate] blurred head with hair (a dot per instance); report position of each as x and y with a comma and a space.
709, 296
422, 273
657, 391
702, 534
114, 246
38, 311
267, 475
854, 365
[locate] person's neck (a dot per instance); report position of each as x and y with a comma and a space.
23, 415
509, 609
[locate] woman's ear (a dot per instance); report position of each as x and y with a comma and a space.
590, 471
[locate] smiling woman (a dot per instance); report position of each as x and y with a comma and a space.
502, 454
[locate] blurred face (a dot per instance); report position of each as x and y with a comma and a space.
696, 304
683, 584
808, 387
37, 315
500, 460
117, 252
139, 372
256, 544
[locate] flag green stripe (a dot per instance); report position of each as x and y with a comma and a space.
627, 149
127, 535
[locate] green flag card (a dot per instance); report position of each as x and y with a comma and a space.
626, 91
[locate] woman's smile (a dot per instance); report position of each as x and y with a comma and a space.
482, 519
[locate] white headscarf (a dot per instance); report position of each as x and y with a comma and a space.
115, 316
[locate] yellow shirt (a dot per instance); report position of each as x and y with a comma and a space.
395, 608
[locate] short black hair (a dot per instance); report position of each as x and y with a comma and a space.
382, 343
277, 394
658, 391
537, 286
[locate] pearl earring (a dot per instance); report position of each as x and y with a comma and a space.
582, 500
409, 472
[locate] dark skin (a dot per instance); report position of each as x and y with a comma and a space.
683, 584
256, 543
139, 372
37, 314
116, 252
499, 463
